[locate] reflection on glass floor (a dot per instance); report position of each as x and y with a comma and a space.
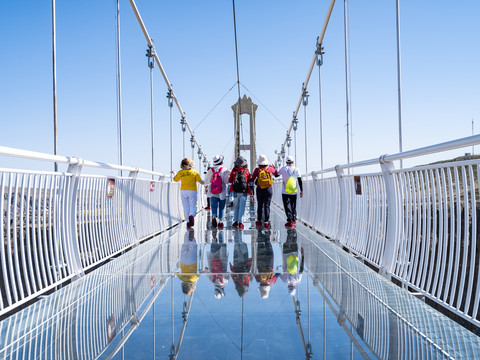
210, 294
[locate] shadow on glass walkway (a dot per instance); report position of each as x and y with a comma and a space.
210, 294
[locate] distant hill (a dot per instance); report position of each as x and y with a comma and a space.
459, 158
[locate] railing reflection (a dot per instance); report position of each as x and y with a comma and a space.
81, 320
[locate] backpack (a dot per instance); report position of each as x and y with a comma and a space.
216, 182
291, 185
265, 179
240, 182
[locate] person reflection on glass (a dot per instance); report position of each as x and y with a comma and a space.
188, 264
240, 270
265, 275
292, 275
217, 258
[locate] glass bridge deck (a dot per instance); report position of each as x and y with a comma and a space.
244, 304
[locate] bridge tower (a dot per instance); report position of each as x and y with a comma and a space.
241, 107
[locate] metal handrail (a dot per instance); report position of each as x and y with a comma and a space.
33, 155
427, 150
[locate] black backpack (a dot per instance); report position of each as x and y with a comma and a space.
240, 182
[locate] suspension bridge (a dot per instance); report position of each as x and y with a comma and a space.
388, 245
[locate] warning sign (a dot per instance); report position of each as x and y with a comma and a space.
358, 185
111, 329
110, 188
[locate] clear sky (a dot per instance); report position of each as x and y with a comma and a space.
276, 42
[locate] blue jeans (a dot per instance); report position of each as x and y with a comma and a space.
218, 206
239, 200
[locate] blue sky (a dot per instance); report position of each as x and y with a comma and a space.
276, 41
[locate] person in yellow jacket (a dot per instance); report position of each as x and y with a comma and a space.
188, 264
188, 177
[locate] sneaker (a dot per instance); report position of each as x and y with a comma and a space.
240, 226
294, 222
288, 224
258, 223
220, 225
267, 225
192, 220
214, 222
235, 224
188, 225
207, 207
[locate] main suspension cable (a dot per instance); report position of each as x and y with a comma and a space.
236, 50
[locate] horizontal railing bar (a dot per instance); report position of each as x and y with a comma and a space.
33, 155
427, 150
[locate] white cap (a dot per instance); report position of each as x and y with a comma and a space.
262, 160
264, 290
291, 289
289, 159
217, 160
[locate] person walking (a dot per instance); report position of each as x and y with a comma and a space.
217, 270
188, 274
292, 274
239, 180
290, 177
188, 177
263, 177
242, 264
265, 260
216, 180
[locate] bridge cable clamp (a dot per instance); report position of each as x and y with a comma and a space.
319, 52
170, 98
150, 55
305, 95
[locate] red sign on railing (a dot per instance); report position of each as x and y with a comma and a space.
152, 185
358, 185
110, 188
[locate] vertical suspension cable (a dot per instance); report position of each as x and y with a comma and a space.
151, 65
399, 83
119, 87
320, 53
347, 78
236, 51
172, 348
305, 103
306, 157
54, 64
170, 105
239, 122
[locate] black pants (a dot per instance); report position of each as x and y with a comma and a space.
290, 206
264, 198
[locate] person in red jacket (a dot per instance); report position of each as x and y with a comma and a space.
239, 180
263, 177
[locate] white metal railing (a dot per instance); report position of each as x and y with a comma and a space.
55, 226
417, 225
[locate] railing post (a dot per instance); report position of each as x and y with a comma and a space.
393, 234
133, 176
70, 208
343, 204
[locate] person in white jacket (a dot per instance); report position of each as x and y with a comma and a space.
218, 191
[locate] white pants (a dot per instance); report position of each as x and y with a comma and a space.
189, 202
